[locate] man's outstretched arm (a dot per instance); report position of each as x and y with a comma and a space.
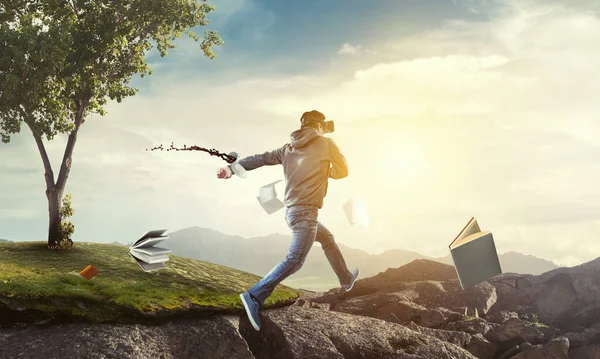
339, 166
269, 158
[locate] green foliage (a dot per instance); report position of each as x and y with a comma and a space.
63, 59
66, 211
533, 318
34, 278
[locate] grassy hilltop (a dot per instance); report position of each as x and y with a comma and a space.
37, 284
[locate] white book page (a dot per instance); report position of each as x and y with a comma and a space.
151, 234
149, 267
356, 212
271, 206
150, 259
149, 242
268, 192
152, 251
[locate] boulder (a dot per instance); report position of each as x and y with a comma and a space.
429, 289
557, 348
379, 305
472, 326
384, 305
586, 352
295, 332
511, 291
481, 347
451, 315
415, 271
412, 303
430, 318
302, 303
324, 306
395, 280
459, 338
534, 333
481, 296
501, 316
215, 337
450, 295
395, 308
475, 344
554, 298
566, 298
585, 337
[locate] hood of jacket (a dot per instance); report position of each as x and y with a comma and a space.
303, 136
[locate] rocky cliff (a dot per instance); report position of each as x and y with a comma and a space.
415, 311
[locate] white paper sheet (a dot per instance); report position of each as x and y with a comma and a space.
357, 213
267, 197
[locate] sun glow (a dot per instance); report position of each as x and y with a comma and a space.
403, 159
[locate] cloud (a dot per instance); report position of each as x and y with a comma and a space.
18, 213
514, 97
496, 119
349, 49
516, 65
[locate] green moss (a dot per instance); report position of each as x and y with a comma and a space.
33, 277
533, 319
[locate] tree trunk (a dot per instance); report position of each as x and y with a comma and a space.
54, 190
54, 203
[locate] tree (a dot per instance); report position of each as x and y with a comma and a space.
61, 60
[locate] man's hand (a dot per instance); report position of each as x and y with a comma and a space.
224, 172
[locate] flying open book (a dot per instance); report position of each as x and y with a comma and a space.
146, 255
474, 255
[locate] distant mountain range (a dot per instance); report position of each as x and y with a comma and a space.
258, 255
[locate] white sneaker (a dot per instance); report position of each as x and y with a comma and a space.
348, 287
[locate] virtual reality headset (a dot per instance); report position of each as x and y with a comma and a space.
329, 126
318, 117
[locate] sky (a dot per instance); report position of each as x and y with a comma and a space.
445, 110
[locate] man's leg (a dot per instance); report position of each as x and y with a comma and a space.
333, 254
303, 222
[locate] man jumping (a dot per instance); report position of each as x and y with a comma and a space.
309, 160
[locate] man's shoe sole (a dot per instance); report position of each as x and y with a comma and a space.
255, 325
354, 281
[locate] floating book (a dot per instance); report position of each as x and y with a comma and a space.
474, 255
356, 211
88, 272
267, 197
146, 255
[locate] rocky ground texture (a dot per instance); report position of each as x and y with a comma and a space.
415, 311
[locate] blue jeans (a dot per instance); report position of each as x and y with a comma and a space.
305, 230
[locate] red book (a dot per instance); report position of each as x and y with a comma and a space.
88, 272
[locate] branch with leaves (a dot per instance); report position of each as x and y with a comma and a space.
62, 60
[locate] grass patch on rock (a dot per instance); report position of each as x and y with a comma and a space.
36, 282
